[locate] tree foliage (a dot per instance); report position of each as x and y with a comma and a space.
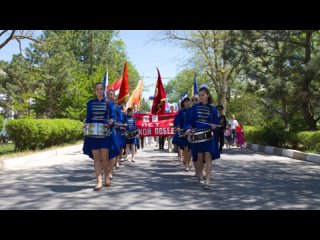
57, 76
275, 72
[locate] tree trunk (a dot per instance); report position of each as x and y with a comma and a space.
284, 115
90, 52
306, 104
224, 92
50, 101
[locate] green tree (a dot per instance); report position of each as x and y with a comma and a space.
278, 61
5, 98
144, 106
20, 86
69, 64
57, 67
215, 55
183, 82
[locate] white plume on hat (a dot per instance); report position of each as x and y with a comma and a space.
204, 85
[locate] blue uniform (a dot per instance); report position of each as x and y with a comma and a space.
137, 138
123, 138
131, 127
207, 114
183, 119
100, 111
175, 139
118, 119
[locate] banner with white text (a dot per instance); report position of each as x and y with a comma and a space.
155, 124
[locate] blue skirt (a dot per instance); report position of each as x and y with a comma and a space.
210, 146
131, 141
121, 139
136, 140
175, 139
109, 142
183, 142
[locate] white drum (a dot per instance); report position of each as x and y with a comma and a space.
96, 130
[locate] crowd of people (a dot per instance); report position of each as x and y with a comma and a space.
201, 131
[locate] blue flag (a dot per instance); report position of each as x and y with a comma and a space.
195, 86
105, 84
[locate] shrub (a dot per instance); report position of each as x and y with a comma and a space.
278, 137
42, 133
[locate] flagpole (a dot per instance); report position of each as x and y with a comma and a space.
105, 83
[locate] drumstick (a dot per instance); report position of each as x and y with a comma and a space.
121, 125
209, 124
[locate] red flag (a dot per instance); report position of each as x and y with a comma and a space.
116, 85
158, 105
124, 88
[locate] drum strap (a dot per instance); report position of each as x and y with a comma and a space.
108, 108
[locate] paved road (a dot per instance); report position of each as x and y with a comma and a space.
241, 180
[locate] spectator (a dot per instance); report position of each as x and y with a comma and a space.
233, 123
240, 135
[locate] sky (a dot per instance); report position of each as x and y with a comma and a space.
145, 54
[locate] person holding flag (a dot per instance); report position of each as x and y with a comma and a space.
158, 105
159, 102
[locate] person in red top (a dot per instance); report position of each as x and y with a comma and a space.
240, 135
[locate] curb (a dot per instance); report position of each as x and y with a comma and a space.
13, 162
309, 157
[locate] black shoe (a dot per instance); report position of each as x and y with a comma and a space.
201, 179
97, 188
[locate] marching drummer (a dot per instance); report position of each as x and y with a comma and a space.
131, 126
175, 139
123, 138
99, 110
183, 118
117, 120
204, 116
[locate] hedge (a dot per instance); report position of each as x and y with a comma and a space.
304, 140
42, 133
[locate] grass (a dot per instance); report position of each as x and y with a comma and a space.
7, 150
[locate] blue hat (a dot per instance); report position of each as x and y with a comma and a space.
204, 85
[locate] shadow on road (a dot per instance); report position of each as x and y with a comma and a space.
241, 180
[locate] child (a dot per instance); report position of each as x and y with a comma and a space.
240, 135
227, 135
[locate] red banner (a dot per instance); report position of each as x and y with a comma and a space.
155, 124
